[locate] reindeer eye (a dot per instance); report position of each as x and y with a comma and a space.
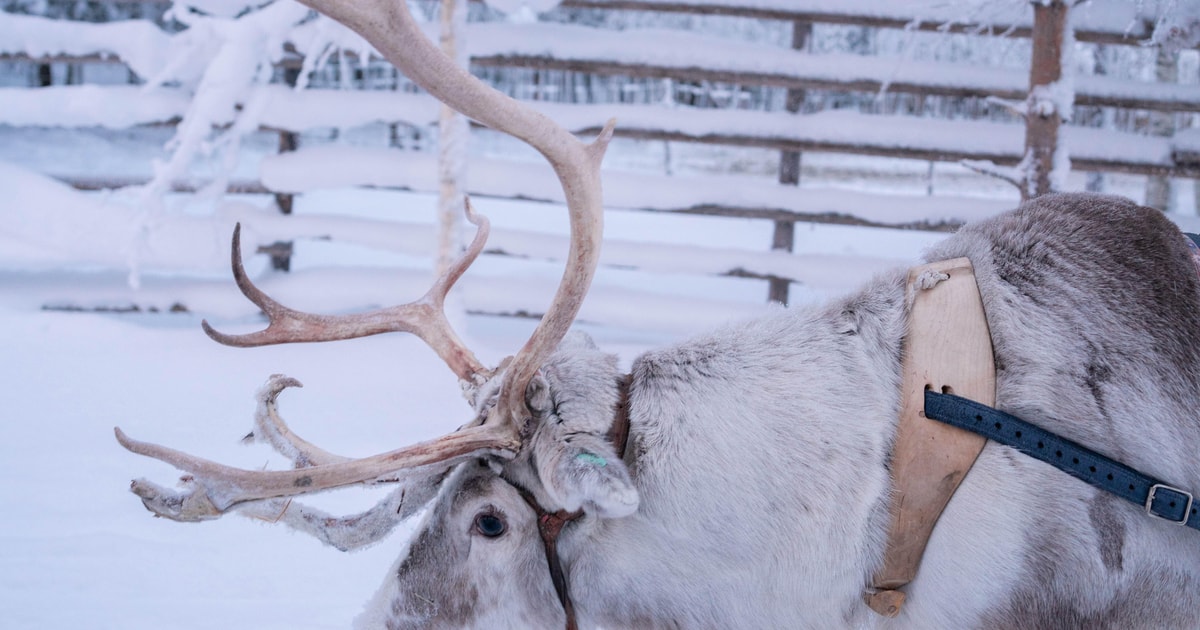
490, 525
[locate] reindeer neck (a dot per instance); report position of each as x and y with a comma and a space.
807, 502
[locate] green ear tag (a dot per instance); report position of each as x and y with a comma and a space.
592, 458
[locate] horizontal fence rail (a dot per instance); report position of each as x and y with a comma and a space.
699, 59
937, 17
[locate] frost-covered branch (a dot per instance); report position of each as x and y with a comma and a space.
1176, 23
453, 136
225, 59
1015, 175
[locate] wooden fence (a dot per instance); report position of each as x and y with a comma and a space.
791, 131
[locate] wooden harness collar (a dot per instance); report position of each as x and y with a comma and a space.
948, 349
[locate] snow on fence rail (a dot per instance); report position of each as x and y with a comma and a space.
285, 110
654, 53
139, 44
89, 232
684, 56
1118, 22
657, 54
1101, 21
721, 195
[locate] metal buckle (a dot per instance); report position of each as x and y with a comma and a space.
1150, 503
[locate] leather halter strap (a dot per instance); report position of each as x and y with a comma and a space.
551, 524
1159, 499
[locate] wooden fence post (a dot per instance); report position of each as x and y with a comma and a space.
1158, 187
1042, 120
281, 251
784, 237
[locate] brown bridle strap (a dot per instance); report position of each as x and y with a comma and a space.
551, 524
618, 434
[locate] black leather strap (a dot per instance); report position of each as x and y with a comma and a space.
1159, 499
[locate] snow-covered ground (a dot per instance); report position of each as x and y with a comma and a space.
77, 549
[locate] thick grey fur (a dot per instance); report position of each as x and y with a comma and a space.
755, 488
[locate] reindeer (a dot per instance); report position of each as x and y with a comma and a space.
742, 479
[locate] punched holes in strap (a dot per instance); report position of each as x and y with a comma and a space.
1159, 499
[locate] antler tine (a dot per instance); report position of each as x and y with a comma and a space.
587, 229
437, 293
424, 317
212, 489
389, 27
215, 488
269, 427
344, 533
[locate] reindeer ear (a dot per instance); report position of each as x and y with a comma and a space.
583, 471
573, 397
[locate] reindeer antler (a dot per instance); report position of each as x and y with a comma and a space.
212, 488
388, 26
426, 317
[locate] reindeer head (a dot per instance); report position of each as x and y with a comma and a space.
479, 558
538, 443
